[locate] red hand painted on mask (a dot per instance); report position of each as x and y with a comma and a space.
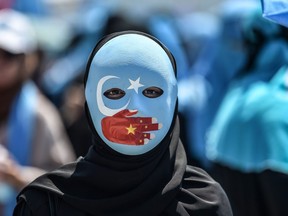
123, 129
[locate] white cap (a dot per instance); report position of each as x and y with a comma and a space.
17, 34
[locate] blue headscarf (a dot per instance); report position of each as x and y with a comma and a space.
250, 130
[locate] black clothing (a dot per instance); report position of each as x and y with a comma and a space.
254, 194
158, 185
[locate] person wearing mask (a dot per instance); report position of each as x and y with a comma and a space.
137, 164
32, 136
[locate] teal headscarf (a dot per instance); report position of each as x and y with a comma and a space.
250, 132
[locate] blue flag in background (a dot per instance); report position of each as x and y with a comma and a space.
276, 11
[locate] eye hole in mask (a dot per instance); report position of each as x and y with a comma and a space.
114, 93
152, 92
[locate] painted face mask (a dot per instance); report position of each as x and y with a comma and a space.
131, 93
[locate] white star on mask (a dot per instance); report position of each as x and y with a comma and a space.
135, 84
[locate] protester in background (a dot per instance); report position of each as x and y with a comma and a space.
137, 165
222, 54
248, 139
32, 137
197, 93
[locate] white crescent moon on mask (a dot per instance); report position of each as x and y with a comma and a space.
102, 108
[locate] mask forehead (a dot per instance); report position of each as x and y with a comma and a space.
133, 51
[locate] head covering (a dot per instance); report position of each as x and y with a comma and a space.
132, 123
17, 35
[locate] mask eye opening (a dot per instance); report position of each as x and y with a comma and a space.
152, 92
114, 93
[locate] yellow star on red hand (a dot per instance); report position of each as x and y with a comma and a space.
131, 129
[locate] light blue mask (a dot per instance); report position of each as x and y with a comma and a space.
131, 93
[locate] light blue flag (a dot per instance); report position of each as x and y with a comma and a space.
276, 11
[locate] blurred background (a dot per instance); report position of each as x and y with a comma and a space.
217, 44
67, 31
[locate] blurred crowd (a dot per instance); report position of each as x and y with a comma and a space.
232, 91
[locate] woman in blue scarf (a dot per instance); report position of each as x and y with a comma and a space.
248, 139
